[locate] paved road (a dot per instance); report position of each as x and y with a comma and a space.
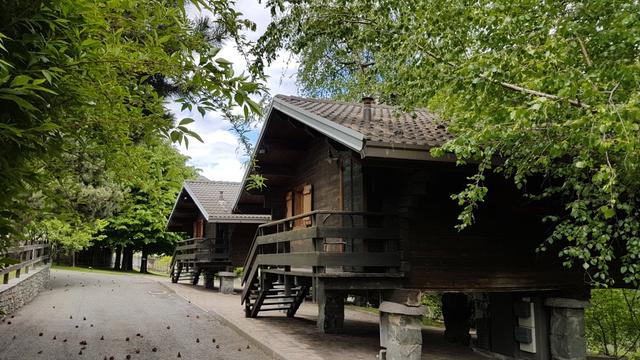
104, 310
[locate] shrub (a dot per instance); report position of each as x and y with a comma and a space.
613, 323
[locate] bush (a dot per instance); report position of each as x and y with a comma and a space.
433, 302
613, 323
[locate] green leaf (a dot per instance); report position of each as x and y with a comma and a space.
223, 61
186, 121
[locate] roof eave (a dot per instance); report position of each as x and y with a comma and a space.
191, 193
240, 219
385, 150
342, 134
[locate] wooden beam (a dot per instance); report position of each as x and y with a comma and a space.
391, 259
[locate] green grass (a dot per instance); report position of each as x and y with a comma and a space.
103, 270
371, 310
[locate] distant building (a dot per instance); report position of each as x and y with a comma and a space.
217, 239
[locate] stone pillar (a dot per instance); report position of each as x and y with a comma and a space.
456, 313
330, 310
401, 330
566, 330
208, 279
226, 282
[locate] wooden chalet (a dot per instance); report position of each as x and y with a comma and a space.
360, 207
218, 240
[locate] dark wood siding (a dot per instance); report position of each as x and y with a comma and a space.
497, 253
241, 238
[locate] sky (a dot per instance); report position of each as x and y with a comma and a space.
219, 157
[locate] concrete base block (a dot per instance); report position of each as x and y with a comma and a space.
226, 282
401, 335
566, 331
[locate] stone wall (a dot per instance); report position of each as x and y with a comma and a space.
20, 291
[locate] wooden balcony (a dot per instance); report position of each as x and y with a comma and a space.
202, 250
327, 243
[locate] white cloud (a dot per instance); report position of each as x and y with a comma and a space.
219, 157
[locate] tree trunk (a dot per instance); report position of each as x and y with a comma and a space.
73, 258
127, 259
116, 265
143, 260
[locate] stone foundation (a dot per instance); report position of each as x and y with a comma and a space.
566, 333
20, 291
226, 282
401, 331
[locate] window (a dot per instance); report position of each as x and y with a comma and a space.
300, 201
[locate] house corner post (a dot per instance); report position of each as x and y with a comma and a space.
567, 331
330, 309
209, 279
456, 312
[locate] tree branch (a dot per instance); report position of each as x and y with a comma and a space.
585, 54
514, 87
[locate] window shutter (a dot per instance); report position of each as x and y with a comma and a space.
307, 206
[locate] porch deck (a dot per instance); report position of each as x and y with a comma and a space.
360, 250
193, 255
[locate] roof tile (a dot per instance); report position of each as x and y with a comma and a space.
388, 124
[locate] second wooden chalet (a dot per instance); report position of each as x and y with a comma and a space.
217, 239
360, 207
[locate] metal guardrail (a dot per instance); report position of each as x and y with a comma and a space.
29, 255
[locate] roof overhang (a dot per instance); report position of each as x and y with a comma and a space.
379, 149
185, 189
342, 134
240, 219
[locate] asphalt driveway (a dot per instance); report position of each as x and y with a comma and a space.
103, 316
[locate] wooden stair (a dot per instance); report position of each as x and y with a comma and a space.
274, 296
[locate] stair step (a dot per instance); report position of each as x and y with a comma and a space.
274, 309
282, 289
280, 296
277, 303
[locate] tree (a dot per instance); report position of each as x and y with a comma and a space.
613, 323
551, 88
82, 77
141, 221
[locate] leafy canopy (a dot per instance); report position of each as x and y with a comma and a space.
83, 86
553, 88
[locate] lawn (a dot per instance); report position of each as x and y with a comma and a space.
101, 270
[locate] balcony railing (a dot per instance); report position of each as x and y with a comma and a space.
202, 249
327, 243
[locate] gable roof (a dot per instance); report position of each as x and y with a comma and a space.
390, 133
215, 200
212, 197
388, 124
